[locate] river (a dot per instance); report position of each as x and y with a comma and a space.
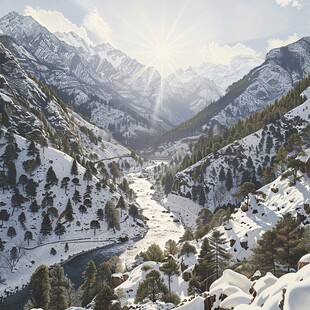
162, 226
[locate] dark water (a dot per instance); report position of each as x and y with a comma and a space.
73, 269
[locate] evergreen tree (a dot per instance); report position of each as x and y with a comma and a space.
11, 232
28, 236
204, 270
103, 300
229, 180
112, 216
31, 188
32, 149
46, 226
64, 183
121, 205
246, 189
153, 253
60, 229
171, 247
4, 216
74, 168
59, 289
222, 175
94, 225
76, 197
153, 287
170, 269
100, 214
34, 206
11, 176
264, 254
133, 211
288, 236
187, 248
69, 212
51, 176
22, 219
88, 175
40, 288
88, 286
103, 276
219, 255
23, 180
202, 197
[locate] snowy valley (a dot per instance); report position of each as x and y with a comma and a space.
121, 189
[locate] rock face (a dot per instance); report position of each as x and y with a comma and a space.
305, 260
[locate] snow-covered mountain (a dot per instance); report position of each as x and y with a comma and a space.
100, 79
224, 75
264, 84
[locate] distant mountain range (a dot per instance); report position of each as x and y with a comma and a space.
114, 90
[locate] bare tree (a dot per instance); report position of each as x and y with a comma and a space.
12, 257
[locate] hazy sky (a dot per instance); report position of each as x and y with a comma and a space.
175, 33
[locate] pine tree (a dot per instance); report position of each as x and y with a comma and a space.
222, 175
103, 276
40, 288
69, 212
32, 149
11, 175
31, 188
264, 254
94, 225
288, 236
219, 255
28, 236
152, 287
170, 269
60, 229
88, 175
171, 247
229, 180
23, 180
103, 300
46, 226
133, 211
59, 289
4, 216
74, 168
202, 197
64, 183
187, 248
11, 232
51, 176
121, 205
88, 286
112, 216
76, 197
204, 270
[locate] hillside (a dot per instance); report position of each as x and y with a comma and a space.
45, 206
214, 181
261, 86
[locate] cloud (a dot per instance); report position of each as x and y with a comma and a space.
94, 23
216, 53
55, 21
294, 3
274, 43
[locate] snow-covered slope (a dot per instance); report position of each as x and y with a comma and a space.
38, 250
226, 75
34, 111
243, 159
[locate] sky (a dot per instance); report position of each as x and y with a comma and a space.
170, 34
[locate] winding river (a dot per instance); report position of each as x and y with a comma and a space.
162, 226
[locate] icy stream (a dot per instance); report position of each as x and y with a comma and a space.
160, 223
